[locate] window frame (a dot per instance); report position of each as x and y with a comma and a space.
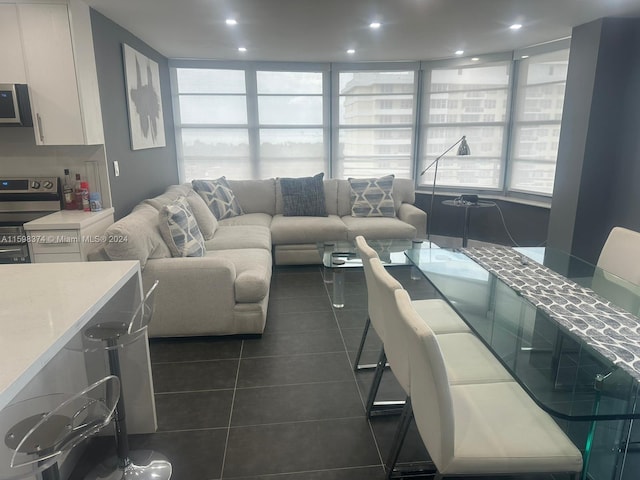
563, 44
336, 70
331, 111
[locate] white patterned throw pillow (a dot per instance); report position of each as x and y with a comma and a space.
219, 197
372, 197
180, 230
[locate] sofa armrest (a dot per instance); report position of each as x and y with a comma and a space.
192, 294
414, 216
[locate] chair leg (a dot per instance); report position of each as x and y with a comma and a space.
128, 465
377, 378
400, 435
356, 363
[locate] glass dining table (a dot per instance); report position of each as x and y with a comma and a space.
566, 330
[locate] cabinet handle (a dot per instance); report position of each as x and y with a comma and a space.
39, 120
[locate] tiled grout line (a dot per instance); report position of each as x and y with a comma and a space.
226, 442
355, 379
342, 469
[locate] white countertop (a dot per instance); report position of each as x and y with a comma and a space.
68, 220
43, 307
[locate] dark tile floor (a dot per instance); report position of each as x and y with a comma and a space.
286, 406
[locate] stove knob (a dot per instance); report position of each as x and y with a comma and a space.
35, 185
48, 184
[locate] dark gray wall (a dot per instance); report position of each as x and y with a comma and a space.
599, 150
527, 224
143, 173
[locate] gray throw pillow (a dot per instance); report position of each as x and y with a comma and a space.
303, 196
219, 197
372, 197
180, 230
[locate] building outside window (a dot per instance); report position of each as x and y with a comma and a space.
470, 101
538, 114
261, 120
375, 123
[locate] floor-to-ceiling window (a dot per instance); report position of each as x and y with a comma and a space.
213, 134
537, 118
374, 122
290, 118
470, 100
261, 119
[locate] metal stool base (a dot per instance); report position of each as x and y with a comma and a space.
144, 465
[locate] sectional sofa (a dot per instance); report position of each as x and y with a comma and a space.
226, 290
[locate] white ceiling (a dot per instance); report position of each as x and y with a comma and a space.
322, 30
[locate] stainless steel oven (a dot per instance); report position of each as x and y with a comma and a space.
22, 200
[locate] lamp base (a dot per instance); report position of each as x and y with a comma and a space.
143, 465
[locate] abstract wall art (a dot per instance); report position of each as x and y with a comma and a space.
144, 100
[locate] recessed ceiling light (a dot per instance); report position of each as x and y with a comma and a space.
515, 26
459, 52
231, 21
475, 59
524, 56
351, 51
242, 49
375, 24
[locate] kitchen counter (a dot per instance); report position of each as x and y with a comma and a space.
69, 220
44, 306
67, 235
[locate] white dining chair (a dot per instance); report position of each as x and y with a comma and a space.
491, 428
468, 359
441, 317
620, 255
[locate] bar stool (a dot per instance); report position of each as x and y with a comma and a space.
53, 425
112, 336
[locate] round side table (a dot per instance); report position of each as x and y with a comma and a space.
467, 213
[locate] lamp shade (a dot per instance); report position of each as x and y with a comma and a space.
464, 149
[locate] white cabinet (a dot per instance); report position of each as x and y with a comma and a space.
66, 236
12, 64
61, 73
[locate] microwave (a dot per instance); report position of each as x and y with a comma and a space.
15, 109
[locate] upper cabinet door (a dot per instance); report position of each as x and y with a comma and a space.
12, 64
51, 74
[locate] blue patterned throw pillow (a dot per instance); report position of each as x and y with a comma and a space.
303, 196
219, 197
180, 230
372, 197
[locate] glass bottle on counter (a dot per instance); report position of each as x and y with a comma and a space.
68, 193
78, 192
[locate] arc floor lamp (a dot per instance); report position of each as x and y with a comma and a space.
463, 149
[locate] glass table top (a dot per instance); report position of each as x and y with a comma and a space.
343, 253
560, 371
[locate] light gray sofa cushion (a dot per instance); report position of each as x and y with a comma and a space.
292, 230
207, 222
378, 228
253, 272
143, 239
255, 196
240, 236
256, 219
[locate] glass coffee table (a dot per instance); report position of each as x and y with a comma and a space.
340, 254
